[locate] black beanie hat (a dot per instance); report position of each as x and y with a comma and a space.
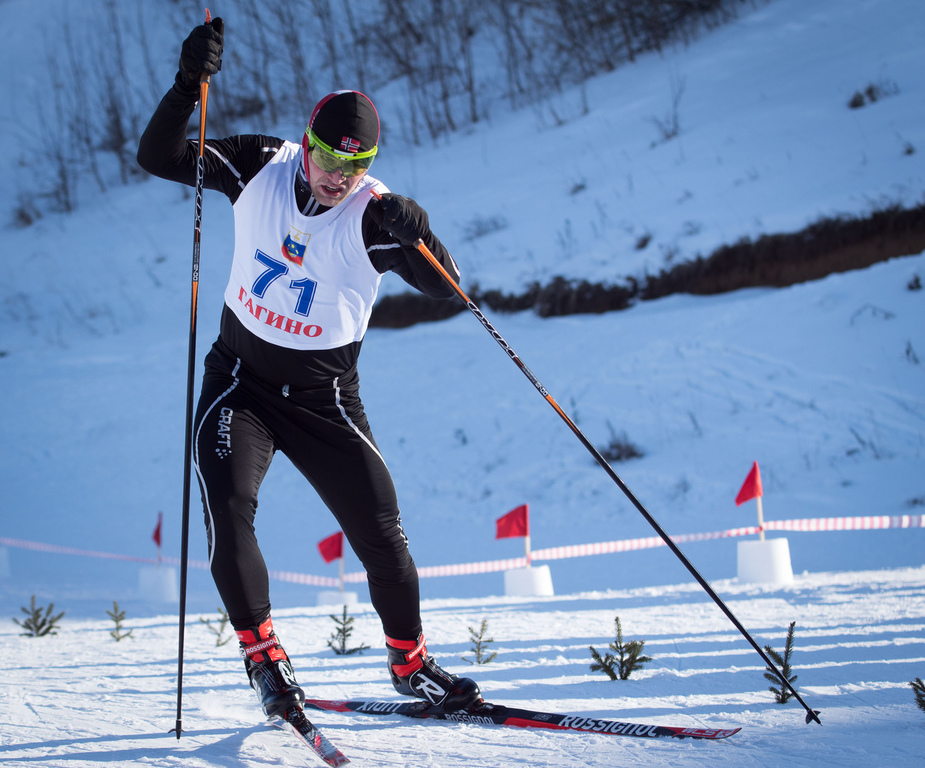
347, 122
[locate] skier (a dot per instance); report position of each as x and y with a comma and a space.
311, 245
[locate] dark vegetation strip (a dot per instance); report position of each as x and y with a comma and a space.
830, 245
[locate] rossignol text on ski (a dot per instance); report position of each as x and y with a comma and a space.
484, 713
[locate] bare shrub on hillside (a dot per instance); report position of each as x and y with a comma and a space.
444, 55
872, 93
829, 245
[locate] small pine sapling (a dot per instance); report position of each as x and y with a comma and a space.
338, 641
782, 694
118, 617
625, 659
220, 630
918, 688
479, 643
36, 624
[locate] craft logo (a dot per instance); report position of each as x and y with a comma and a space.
223, 448
294, 245
349, 145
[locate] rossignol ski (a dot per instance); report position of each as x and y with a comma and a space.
305, 731
484, 713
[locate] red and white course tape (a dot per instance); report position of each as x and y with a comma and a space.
864, 523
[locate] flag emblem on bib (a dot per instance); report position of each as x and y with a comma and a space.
294, 245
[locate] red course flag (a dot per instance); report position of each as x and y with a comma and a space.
332, 548
515, 523
751, 488
157, 531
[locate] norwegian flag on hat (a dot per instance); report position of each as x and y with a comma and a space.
350, 145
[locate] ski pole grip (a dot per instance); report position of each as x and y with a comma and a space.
203, 77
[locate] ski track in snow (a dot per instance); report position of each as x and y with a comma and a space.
80, 698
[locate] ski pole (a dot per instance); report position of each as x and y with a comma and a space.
190, 373
811, 714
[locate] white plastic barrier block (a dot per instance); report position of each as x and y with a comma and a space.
533, 581
764, 562
332, 597
159, 584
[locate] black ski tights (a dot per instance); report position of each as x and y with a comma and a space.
240, 424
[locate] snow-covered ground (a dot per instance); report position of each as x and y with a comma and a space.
823, 384
80, 699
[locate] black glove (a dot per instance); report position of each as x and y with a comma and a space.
201, 52
400, 216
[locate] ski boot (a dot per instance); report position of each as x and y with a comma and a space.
415, 673
269, 670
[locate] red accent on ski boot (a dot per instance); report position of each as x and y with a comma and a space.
415, 673
269, 669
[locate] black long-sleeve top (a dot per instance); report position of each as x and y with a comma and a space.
229, 164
